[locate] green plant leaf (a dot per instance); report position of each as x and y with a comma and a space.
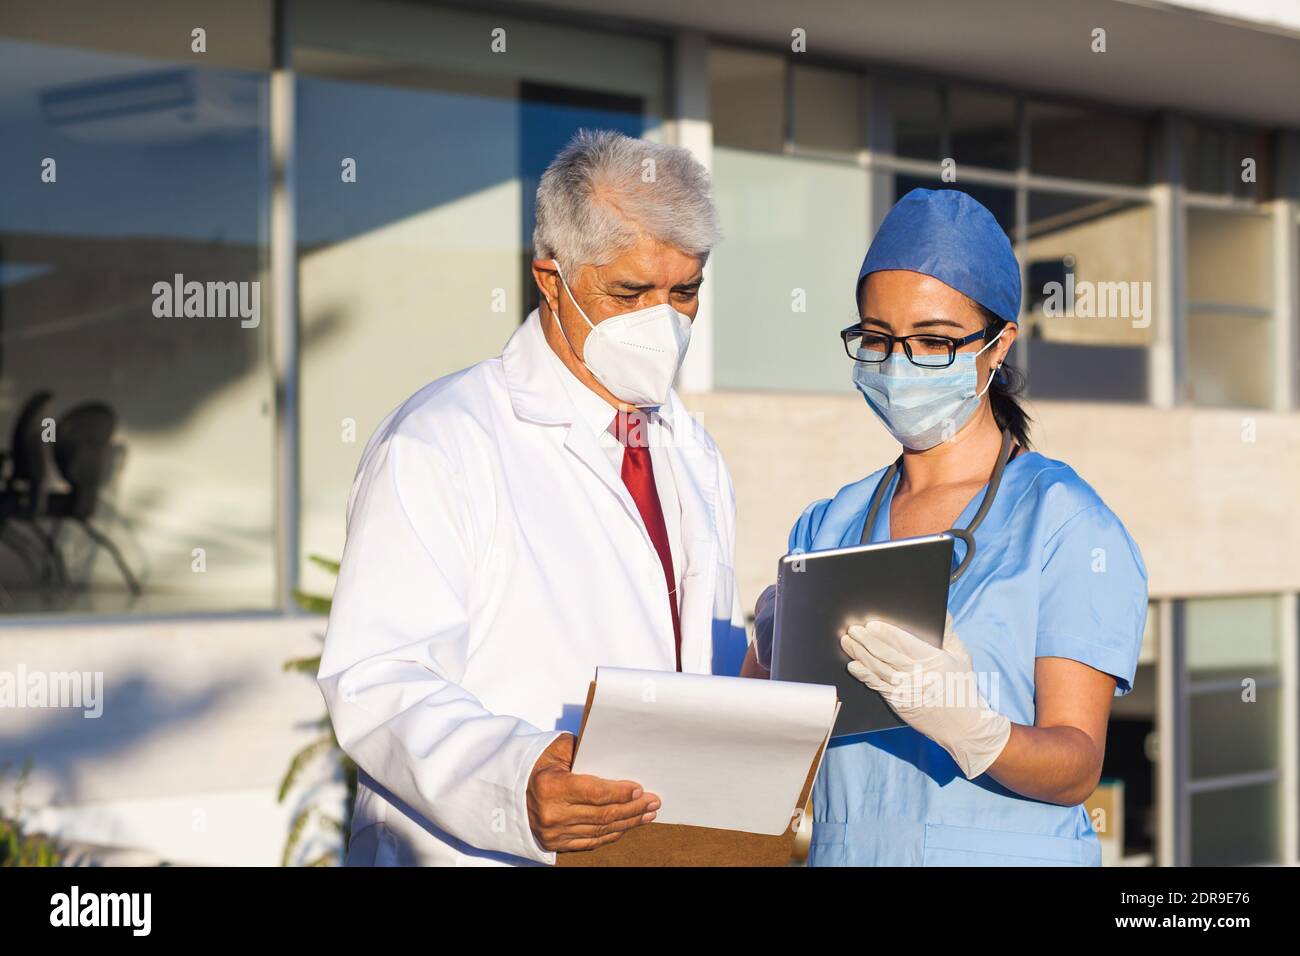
312, 603
329, 564
300, 760
327, 742
303, 665
296, 827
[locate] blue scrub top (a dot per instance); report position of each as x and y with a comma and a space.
1055, 574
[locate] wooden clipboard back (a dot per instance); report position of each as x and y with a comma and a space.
676, 844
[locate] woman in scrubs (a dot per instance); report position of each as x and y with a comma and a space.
1006, 724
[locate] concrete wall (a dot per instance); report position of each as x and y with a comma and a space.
198, 726
1211, 497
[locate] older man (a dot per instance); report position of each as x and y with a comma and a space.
518, 523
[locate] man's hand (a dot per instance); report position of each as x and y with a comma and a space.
572, 811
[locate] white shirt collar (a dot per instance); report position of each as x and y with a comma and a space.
597, 413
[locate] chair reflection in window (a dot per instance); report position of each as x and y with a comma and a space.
57, 481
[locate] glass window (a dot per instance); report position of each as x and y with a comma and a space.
1099, 373
1214, 158
918, 119
983, 129
1231, 636
1080, 143
1229, 308
1090, 269
420, 266
1257, 146
1237, 827
748, 99
796, 233
999, 200
827, 109
1234, 727
1206, 159
133, 290
1231, 736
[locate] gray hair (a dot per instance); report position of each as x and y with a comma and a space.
605, 190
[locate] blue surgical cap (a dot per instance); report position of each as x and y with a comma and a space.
949, 235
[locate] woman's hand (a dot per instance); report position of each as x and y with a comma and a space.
935, 690
764, 625
758, 659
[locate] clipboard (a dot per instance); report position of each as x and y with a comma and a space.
675, 844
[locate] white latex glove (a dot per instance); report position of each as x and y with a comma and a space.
764, 624
933, 690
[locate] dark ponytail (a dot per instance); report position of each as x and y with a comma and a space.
1008, 383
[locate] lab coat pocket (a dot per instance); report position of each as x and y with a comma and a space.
976, 846
698, 579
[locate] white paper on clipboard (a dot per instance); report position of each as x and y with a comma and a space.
726, 752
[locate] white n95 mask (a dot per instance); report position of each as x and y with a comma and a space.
635, 355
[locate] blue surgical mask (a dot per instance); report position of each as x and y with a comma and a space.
922, 407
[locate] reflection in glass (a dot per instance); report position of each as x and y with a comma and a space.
1206, 162
160, 177
1230, 258
918, 119
1099, 373
1230, 735
421, 266
1236, 827
1213, 157
983, 128
1078, 143
1258, 147
747, 91
1229, 308
827, 110
796, 230
1231, 637
1090, 268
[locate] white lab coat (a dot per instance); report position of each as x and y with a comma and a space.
494, 559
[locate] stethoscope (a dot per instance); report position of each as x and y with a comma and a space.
966, 534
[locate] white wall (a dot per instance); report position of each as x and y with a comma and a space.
1213, 513
198, 726
1274, 13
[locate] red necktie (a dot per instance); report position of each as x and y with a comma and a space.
632, 429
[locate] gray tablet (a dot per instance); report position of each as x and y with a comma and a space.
820, 593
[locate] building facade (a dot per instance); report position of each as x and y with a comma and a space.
350, 185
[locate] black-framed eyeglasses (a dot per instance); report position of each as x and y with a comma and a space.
925, 349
